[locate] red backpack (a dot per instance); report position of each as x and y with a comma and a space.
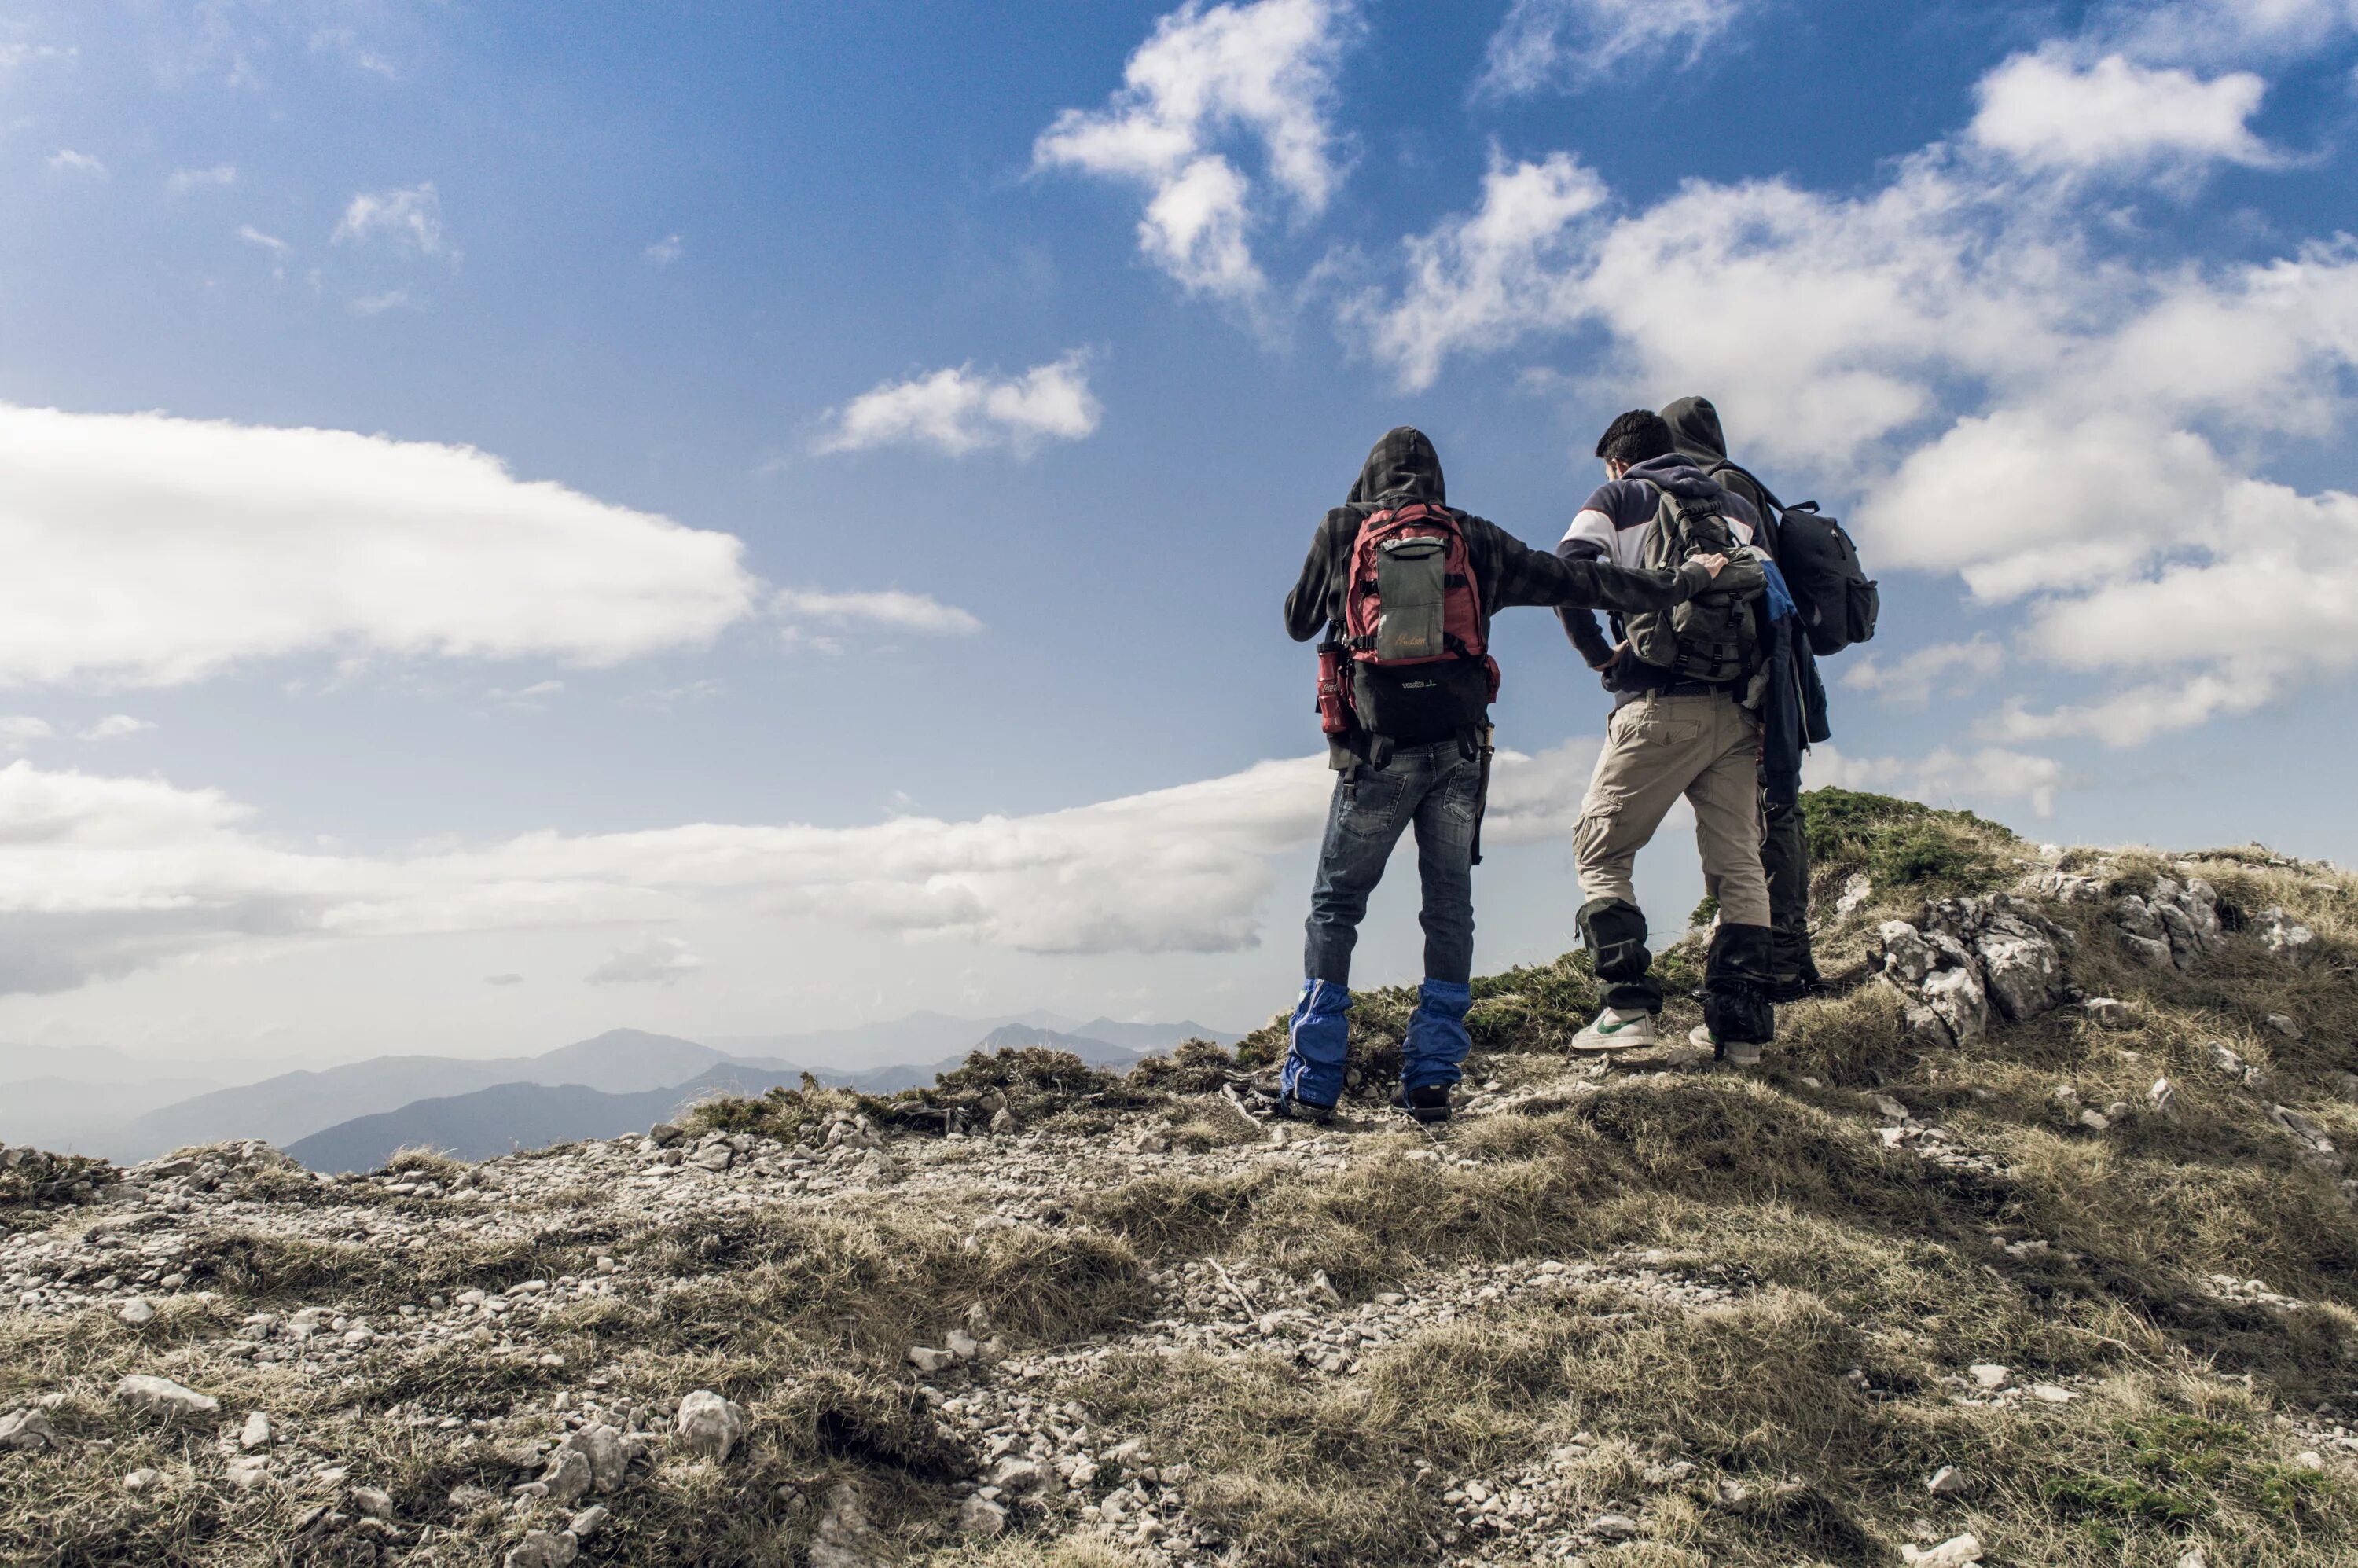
1412, 627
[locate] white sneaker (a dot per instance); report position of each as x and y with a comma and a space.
1734, 1053
1616, 1031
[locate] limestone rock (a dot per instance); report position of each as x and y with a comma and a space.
162, 1397
137, 1312
1957, 998
255, 1432
1957, 1552
372, 1502
543, 1549
982, 1516
2286, 937
2108, 1012
928, 1360
25, 1429
567, 1478
585, 1525
1905, 952
708, 1425
1945, 1482
143, 1480
1989, 1375
603, 1448
247, 1471
663, 1135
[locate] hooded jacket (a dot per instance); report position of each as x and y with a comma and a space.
1403, 468
1794, 713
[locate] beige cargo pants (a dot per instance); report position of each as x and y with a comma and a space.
1657, 748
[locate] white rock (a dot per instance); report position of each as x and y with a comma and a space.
585, 1525
1989, 1375
247, 1471
567, 1480
2162, 1097
2309, 1459
161, 1396
962, 1345
143, 1480
982, 1516
1956, 995
2193, 1557
926, 1360
2049, 1394
256, 1432
25, 1429
708, 1425
543, 1549
2284, 1025
1945, 1482
603, 1447
1958, 1551
137, 1312
1905, 952
1614, 1527
372, 1502
2109, 1012
2286, 937
1855, 891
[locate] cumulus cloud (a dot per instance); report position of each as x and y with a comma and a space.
219, 177
659, 960
410, 218
889, 610
1571, 43
2047, 111
2224, 31
102, 876
115, 726
1207, 77
18, 730
1944, 777
1911, 680
962, 411
65, 160
148, 550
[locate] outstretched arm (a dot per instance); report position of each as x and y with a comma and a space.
1532, 577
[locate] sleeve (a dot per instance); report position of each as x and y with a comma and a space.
1596, 648
1531, 576
1589, 537
1306, 606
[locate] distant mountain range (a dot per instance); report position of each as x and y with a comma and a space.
351, 1116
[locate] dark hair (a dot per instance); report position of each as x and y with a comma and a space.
1636, 436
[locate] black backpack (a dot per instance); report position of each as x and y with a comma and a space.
1837, 599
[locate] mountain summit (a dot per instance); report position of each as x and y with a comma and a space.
2031, 1243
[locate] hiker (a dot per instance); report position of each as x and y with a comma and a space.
1793, 718
1680, 681
1404, 586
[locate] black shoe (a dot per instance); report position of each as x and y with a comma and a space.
1292, 1109
1429, 1105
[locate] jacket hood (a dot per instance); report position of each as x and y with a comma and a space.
1402, 468
1694, 425
1676, 473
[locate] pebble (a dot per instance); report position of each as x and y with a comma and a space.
143, 1480
543, 1549
1989, 1374
1957, 1552
137, 1311
25, 1429
1945, 1482
256, 1432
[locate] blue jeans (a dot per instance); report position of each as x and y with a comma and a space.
1433, 787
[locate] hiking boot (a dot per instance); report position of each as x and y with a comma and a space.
1289, 1108
1616, 1031
1429, 1104
1734, 1053
1786, 989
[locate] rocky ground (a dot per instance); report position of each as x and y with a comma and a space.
2033, 1244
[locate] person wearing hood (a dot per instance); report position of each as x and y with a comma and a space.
1418, 763
1792, 718
1671, 734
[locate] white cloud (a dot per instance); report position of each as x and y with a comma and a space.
1913, 679
148, 550
1263, 71
378, 304
893, 611
659, 960
65, 160
219, 177
115, 726
2047, 111
667, 250
411, 217
100, 876
1944, 777
279, 249
961, 411
1545, 43
19, 730
2224, 31
14, 55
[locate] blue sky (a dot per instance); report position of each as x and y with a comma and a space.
730, 518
